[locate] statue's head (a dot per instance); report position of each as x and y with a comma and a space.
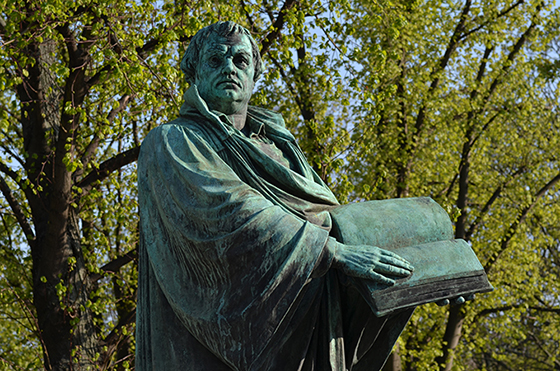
224, 62
227, 30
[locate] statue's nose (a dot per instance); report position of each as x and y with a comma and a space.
229, 67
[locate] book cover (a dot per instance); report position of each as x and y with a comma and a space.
420, 231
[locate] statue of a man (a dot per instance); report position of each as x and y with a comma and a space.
237, 267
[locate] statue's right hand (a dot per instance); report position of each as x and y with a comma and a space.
369, 262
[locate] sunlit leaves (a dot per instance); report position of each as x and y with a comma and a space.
413, 138
379, 113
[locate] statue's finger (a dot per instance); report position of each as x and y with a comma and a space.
392, 270
443, 303
400, 262
458, 300
393, 255
381, 279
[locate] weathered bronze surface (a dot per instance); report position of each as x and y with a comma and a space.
238, 266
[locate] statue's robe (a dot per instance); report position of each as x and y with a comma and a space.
234, 270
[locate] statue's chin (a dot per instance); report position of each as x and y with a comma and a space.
229, 106
229, 101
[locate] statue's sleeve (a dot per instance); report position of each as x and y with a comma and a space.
230, 263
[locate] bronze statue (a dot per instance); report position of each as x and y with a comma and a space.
238, 268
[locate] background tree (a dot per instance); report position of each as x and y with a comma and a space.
458, 101
467, 112
455, 100
81, 83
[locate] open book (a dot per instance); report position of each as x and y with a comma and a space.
420, 231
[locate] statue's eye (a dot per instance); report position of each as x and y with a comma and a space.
241, 61
214, 61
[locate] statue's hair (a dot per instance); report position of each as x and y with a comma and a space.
228, 30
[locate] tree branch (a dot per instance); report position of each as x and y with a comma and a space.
513, 54
75, 91
447, 190
18, 212
545, 351
9, 172
150, 45
13, 155
142, 52
492, 119
291, 89
125, 320
470, 140
116, 264
96, 78
276, 26
488, 311
112, 340
504, 243
94, 144
491, 201
109, 166
7, 254
443, 62
500, 15
460, 225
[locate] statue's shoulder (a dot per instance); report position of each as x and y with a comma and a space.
190, 126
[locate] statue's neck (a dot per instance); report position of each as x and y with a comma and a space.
239, 119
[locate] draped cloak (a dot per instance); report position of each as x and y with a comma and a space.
234, 270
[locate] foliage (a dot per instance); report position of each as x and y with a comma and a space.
82, 83
453, 100
467, 114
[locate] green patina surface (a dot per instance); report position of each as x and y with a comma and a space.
239, 269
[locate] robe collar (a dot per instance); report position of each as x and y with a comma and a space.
260, 121
193, 103
304, 180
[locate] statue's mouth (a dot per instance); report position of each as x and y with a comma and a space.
230, 82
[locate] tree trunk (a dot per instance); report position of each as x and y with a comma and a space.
61, 285
456, 313
451, 336
61, 291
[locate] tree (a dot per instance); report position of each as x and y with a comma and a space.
467, 112
81, 84
457, 100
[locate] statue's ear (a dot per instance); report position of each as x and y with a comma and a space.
186, 64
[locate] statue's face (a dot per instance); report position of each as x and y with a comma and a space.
224, 75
